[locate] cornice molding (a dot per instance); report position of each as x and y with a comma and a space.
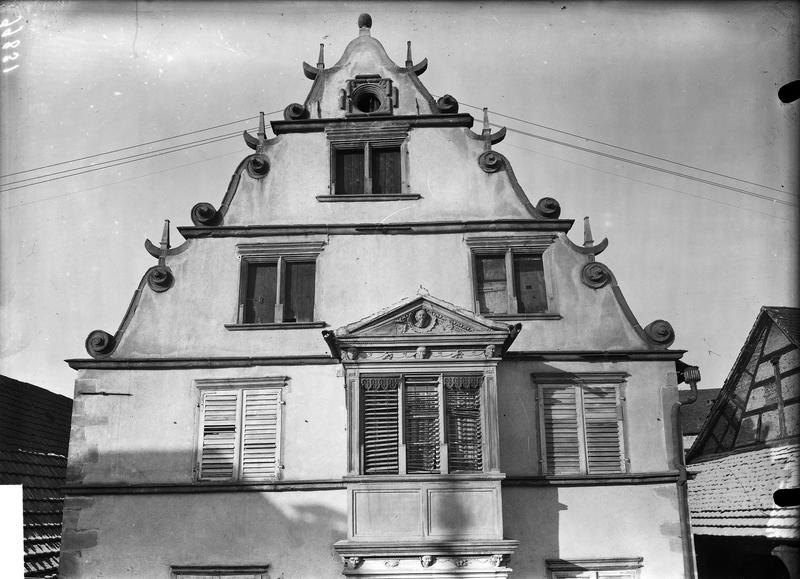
638, 478
593, 355
201, 487
191, 363
407, 121
402, 228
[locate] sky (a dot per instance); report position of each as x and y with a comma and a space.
660, 121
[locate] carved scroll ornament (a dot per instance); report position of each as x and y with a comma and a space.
660, 332
160, 278
447, 104
549, 208
100, 343
595, 275
205, 214
490, 162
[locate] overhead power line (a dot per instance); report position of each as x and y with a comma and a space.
653, 167
607, 144
205, 142
132, 146
104, 164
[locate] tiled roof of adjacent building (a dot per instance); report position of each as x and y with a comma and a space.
732, 495
34, 436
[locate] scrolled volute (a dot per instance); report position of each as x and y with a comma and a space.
100, 343
160, 278
660, 332
595, 274
296, 112
205, 214
549, 208
258, 166
490, 161
447, 104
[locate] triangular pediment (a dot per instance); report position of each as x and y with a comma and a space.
421, 316
419, 328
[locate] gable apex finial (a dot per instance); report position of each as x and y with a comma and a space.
364, 24
587, 232
321, 58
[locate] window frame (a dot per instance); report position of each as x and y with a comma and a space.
212, 571
280, 254
593, 568
580, 382
509, 248
271, 384
444, 442
368, 139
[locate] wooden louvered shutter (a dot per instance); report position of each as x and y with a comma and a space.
220, 427
261, 420
379, 424
602, 429
422, 430
463, 408
559, 424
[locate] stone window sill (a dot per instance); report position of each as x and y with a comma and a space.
372, 198
537, 316
276, 326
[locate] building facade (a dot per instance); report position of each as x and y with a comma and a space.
377, 357
747, 450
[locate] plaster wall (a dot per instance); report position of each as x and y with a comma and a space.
292, 532
357, 275
300, 170
646, 416
144, 430
594, 522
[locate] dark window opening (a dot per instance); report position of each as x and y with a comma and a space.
280, 291
350, 172
520, 289
386, 178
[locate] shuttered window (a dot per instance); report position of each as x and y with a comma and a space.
380, 430
277, 290
581, 429
239, 434
411, 423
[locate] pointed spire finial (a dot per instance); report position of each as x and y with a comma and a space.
262, 129
364, 24
321, 58
164, 243
409, 61
587, 233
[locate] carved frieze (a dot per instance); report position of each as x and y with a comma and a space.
425, 320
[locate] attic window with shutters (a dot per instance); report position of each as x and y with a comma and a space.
581, 423
239, 429
421, 424
277, 286
368, 164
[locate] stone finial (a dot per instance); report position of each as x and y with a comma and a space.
321, 57
364, 24
587, 232
409, 61
164, 243
487, 130
262, 129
